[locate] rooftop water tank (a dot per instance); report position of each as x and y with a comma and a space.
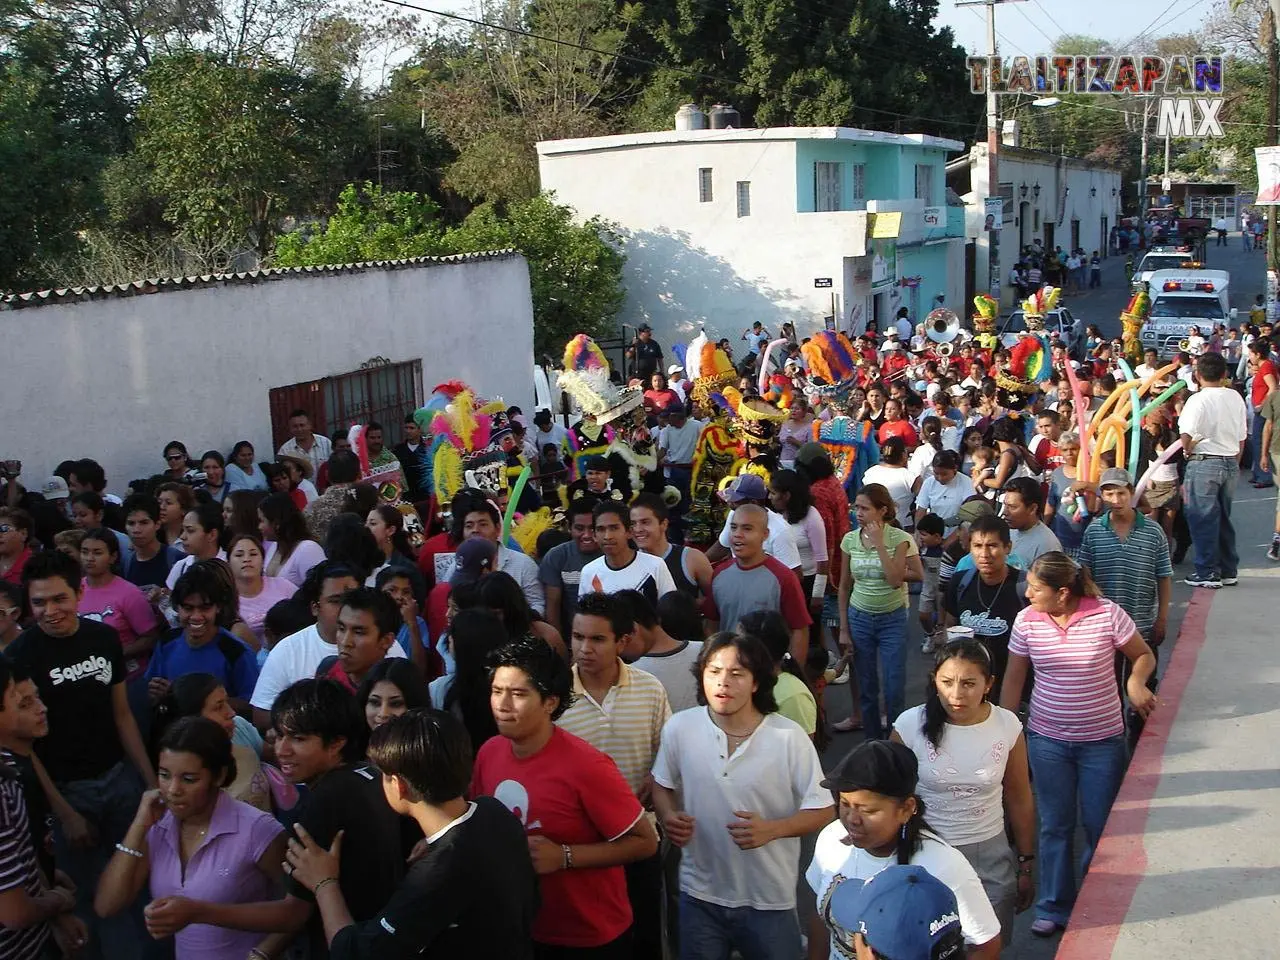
691, 117
724, 117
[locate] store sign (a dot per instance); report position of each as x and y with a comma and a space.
935, 217
821, 282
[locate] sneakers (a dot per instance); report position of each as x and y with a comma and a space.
1045, 928
1195, 580
1230, 581
838, 678
1274, 552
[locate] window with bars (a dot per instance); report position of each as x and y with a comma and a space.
826, 186
859, 171
704, 184
744, 198
924, 183
379, 390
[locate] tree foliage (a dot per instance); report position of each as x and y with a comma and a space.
235, 147
575, 270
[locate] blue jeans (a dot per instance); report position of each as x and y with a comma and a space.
1061, 772
1207, 489
109, 803
1255, 442
709, 931
879, 637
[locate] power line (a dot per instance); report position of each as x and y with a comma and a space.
1034, 24
1159, 17
1061, 31
695, 74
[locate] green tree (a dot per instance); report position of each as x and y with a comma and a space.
47, 161
237, 149
367, 225
575, 270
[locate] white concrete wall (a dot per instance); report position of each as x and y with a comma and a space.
692, 263
117, 378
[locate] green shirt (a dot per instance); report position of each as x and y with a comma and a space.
795, 702
1270, 411
871, 592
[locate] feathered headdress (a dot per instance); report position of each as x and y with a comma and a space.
585, 377
1037, 305
708, 367
1028, 365
985, 310
832, 362
465, 450
780, 391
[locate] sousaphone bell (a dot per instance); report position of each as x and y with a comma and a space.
942, 326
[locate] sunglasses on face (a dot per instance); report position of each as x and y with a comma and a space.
175, 456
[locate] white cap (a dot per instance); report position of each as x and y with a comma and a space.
674, 369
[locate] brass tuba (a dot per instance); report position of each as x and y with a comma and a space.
942, 325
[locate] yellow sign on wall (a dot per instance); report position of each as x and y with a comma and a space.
884, 226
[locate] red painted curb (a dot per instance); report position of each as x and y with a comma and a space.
1120, 861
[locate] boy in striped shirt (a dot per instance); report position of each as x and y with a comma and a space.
620, 710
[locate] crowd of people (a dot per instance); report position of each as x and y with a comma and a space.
253, 710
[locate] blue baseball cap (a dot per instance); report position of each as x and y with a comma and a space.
903, 912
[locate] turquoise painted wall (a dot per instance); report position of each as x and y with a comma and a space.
891, 170
929, 263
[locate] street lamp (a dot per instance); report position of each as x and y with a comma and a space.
1035, 191
1022, 191
1093, 191
1046, 102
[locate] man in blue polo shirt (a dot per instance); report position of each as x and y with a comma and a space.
200, 645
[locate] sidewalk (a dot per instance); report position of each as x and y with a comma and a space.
1190, 860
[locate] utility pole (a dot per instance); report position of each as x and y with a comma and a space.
1270, 18
1142, 169
994, 278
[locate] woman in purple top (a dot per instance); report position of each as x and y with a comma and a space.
197, 845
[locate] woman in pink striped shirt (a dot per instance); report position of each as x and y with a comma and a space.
1075, 728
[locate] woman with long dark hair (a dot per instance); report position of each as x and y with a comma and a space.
203, 695
214, 469
177, 463
1075, 728
881, 558
790, 496
240, 512
391, 687
386, 523
290, 550
500, 593
881, 822
973, 771
242, 472
473, 635
892, 474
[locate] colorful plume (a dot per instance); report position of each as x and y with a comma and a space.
582, 354
1029, 359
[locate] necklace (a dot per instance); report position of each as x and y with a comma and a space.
999, 590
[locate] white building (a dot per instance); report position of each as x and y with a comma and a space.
115, 373
724, 227
1062, 201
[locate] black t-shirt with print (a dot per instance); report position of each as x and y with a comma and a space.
76, 677
989, 612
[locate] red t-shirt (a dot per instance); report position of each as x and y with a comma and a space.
655, 400
899, 428
437, 612
571, 793
440, 543
14, 573
1260, 388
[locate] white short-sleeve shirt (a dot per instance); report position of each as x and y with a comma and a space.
962, 778
834, 863
780, 544
776, 773
296, 657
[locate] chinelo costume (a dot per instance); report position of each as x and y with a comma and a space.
1029, 358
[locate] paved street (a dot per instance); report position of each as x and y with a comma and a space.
1102, 306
